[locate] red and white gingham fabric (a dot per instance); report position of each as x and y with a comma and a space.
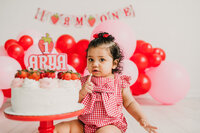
104, 104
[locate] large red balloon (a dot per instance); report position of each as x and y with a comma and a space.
142, 85
160, 51
140, 60
9, 43
15, 51
65, 43
155, 60
77, 61
25, 41
81, 47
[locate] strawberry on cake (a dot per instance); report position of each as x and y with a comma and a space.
43, 92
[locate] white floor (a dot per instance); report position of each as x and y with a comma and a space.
183, 117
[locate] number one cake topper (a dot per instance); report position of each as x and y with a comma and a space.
46, 44
46, 60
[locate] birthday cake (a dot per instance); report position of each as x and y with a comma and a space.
44, 92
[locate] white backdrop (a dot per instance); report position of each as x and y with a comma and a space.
172, 25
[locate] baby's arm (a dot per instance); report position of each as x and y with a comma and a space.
134, 109
131, 105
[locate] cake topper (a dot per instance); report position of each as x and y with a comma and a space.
47, 59
46, 44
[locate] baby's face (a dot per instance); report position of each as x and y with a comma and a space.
100, 61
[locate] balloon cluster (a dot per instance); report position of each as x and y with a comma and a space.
15, 49
145, 56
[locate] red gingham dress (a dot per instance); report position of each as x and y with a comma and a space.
104, 105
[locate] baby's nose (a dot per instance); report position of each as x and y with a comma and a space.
95, 63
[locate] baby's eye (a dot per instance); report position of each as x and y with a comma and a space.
90, 60
102, 59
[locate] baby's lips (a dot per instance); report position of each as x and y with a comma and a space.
94, 70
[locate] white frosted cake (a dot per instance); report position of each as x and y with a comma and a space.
45, 95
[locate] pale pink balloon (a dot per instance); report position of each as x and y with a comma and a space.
130, 69
123, 34
1, 98
8, 69
170, 82
3, 52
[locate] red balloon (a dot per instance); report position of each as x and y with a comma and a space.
142, 85
77, 61
7, 92
140, 60
65, 43
160, 51
15, 51
25, 41
138, 46
9, 42
146, 48
155, 60
81, 47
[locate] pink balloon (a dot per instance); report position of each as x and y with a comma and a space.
9, 67
3, 52
130, 69
170, 82
123, 34
1, 98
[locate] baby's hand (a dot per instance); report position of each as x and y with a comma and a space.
87, 87
149, 128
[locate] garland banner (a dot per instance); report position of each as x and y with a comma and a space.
89, 20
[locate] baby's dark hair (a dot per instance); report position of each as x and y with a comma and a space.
103, 38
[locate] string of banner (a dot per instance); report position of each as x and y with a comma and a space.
89, 20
